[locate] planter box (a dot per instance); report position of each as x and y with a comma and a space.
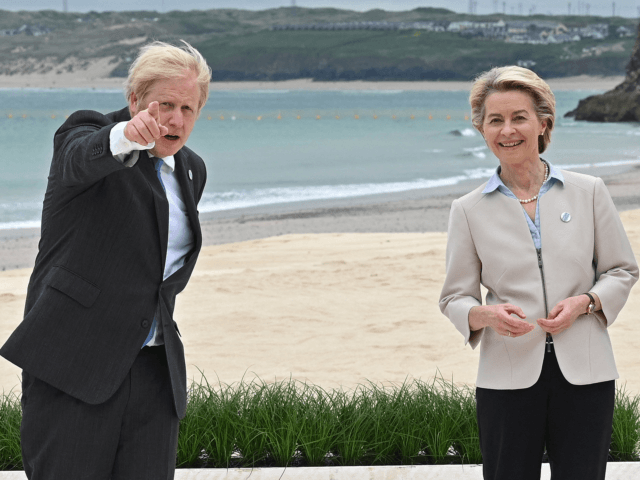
615, 471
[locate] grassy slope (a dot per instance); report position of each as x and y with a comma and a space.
239, 45
394, 55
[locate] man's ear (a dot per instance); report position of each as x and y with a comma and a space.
133, 104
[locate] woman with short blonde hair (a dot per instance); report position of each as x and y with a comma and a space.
515, 78
550, 249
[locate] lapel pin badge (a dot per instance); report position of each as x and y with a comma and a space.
190, 175
565, 217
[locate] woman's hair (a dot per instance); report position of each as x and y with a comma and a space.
505, 79
159, 60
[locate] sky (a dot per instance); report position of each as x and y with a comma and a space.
623, 8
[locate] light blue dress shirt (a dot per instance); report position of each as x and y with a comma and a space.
181, 239
495, 183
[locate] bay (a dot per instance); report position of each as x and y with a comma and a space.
264, 147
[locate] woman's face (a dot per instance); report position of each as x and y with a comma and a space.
511, 127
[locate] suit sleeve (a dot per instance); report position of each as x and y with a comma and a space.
616, 266
461, 289
82, 153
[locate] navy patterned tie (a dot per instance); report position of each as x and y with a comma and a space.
152, 331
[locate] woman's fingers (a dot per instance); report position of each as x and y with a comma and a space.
514, 309
501, 319
518, 330
511, 326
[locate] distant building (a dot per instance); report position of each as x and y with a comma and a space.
33, 30
526, 63
597, 31
429, 26
533, 32
517, 31
623, 31
563, 38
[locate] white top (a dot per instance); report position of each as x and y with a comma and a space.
180, 240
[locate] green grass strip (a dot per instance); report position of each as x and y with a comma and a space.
291, 423
10, 417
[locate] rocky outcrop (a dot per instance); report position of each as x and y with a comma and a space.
622, 104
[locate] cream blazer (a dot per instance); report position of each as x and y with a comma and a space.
489, 243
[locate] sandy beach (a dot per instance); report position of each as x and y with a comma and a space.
333, 292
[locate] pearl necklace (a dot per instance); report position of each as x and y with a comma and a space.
546, 176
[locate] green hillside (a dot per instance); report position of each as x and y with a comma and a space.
242, 45
375, 55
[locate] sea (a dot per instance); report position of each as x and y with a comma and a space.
272, 147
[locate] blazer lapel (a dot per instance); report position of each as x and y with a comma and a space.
189, 198
161, 205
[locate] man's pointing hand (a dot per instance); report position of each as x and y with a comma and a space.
145, 126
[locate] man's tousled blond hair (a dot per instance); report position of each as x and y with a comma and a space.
160, 60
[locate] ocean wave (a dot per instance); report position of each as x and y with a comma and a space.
466, 132
611, 163
475, 149
477, 152
13, 206
20, 224
263, 91
55, 89
370, 92
212, 202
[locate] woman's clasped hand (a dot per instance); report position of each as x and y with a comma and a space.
562, 316
501, 317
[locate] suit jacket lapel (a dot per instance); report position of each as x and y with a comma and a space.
189, 198
161, 204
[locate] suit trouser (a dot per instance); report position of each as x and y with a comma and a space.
573, 422
132, 436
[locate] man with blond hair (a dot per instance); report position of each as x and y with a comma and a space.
104, 377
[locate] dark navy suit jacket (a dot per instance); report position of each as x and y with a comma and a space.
98, 276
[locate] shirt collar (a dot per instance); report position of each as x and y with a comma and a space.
495, 181
169, 161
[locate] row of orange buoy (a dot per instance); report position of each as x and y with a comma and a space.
24, 115
279, 117
337, 117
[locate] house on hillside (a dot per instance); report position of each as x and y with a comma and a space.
533, 32
623, 31
597, 31
32, 30
429, 26
493, 30
563, 38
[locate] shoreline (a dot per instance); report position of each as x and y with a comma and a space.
86, 80
333, 293
410, 211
